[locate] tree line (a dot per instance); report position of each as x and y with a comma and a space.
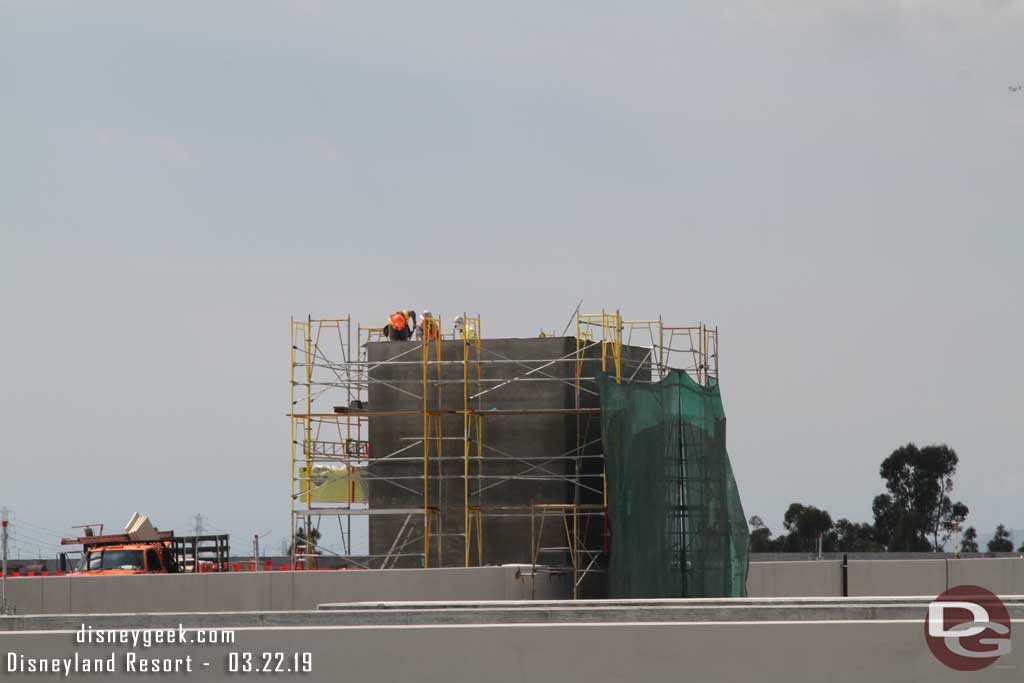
915, 513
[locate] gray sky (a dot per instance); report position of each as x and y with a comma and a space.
836, 184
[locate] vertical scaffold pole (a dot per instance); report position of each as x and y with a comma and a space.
575, 554
291, 411
347, 353
308, 440
661, 349
426, 458
466, 424
439, 437
3, 547
617, 346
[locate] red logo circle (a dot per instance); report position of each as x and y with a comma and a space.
967, 628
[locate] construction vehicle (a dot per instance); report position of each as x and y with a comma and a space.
144, 551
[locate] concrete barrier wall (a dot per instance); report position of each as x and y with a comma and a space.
1002, 576
272, 590
795, 579
770, 652
823, 578
305, 590
884, 577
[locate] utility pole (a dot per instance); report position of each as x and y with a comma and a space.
3, 540
256, 548
199, 524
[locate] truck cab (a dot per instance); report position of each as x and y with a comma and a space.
128, 558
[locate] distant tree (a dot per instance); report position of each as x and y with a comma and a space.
969, 544
853, 537
887, 518
917, 513
1001, 542
804, 524
898, 528
760, 536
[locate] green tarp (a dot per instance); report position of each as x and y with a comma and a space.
676, 523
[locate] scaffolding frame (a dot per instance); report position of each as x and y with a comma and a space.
326, 368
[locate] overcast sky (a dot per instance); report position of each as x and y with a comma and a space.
837, 185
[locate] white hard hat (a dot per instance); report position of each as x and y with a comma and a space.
426, 312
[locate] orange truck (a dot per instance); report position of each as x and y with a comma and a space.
113, 554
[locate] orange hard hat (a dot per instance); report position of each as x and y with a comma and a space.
397, 320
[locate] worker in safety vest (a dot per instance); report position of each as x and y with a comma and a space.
428, 327
400, 326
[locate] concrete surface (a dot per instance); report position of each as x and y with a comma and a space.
515, 445
711, 640
897, 555
272, 590
395, 386
914, 577
1001, 576
305, 590
788, 579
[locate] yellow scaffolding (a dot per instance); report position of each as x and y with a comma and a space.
339, 437
604, 328
331, 440
472, 424
432, 433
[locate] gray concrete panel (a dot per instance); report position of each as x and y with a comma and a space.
506, 537
282, 594
305, 590
273, 590
56, 594
882, 577
1001, 576
744, 647
785, 579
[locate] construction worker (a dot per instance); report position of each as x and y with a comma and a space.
400, 326
427, 326
460, 324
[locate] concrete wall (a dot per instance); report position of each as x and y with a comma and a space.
305, 590
823, 578
737, 641
1001, 576
885, 577
794, 579
272, 590
394, 387
569, 653
897, 555
515, 446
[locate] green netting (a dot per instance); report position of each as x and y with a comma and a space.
676, 521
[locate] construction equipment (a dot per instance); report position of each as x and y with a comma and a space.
143, 549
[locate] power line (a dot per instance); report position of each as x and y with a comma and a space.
40, 528
13, 530
28, 533
30, 542
215, 527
